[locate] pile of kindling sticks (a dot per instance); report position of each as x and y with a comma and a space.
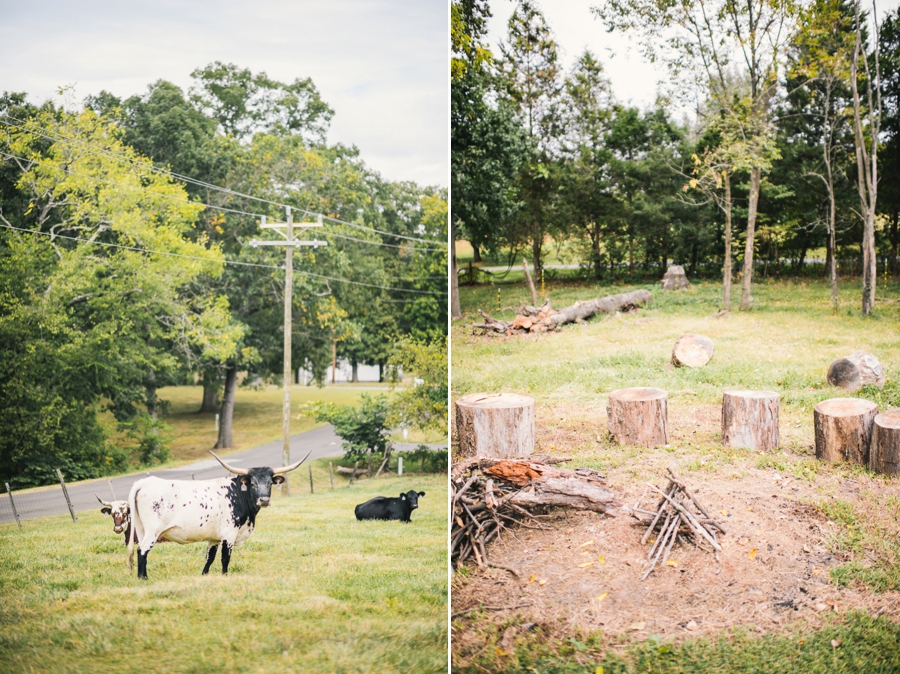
679, 514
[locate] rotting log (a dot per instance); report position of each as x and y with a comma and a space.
750, 419
884, 452
499, 425
843, 429
638, 416
855, 371
343, 470
546, 318
692, 350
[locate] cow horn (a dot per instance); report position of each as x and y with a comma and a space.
236, 471
102, 502
287, 469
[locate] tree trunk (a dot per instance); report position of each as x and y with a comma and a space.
380, 373
596, 263
476, 251
210, 384
844, 429
884, 456
755, 179
530, 282
895, 243
226, 415
150, 385
750, 419
455, 311
638, 416
726, 272
333, 360
499, 425
354, 366
536, 259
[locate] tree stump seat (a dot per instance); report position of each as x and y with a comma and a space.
496, 425
638, 416
884, 453
750, 419
844, 429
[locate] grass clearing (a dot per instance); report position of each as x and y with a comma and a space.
827, 536
312, 590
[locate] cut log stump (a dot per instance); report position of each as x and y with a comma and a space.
855, 371
639, 416
675, 279
884, 455
692, 350
844, 429
750, 419
498, 425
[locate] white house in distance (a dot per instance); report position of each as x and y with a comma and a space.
343, 374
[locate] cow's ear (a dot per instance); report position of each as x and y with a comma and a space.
106, 511
244, 479
403, 496
278, 479
421, 493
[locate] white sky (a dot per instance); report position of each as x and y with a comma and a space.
633, 80
382, 65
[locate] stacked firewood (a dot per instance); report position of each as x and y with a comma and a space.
490, 495
680, 514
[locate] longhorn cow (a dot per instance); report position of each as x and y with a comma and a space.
220, 511
120, 514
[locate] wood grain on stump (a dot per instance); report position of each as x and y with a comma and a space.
638, 416
692, 350
844, 429
884, 454
750, 419
498, 425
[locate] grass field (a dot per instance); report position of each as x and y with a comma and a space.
313, 590
257, 416
833, 532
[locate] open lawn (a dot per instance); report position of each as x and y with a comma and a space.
257, 416
812, 552
313, 590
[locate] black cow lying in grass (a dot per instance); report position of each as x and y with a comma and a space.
386, 508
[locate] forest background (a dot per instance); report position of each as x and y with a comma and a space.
773, 149
125, 264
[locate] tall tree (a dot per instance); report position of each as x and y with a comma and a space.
889, 157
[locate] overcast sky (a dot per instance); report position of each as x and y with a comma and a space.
382, 65
575, 28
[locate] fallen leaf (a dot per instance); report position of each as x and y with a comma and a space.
750, 508
500, 651
753, 553
599, 670
835, 642
806, 548
583, 545
585, 565
672, 562
602, 596
724, 512
542, 582
653, 540
530, 581
817, 571
637, 626
601, 559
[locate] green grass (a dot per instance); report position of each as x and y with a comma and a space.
312, 590
861, 644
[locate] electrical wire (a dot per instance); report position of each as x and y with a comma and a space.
226, 261
77, 143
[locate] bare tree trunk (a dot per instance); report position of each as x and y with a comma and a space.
755, 179
726, 273
536, 249
530, 282
455, 310
476, 252
227, 413
333, 360
355, 369
210, 383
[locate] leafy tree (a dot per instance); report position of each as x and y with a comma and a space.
361, 428
424, 404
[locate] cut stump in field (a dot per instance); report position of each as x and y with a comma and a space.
855, 371
675, 279
844, 429
750, 419
884, 454
692, 350
638, 416
498, 425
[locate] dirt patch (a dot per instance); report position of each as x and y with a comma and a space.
585, 572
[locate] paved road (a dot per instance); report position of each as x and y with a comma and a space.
322, 441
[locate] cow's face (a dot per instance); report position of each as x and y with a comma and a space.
259, 482
412, 498
119, 511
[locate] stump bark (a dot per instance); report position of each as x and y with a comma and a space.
499, 425
855, 371
675, 279
844, 429
638, 416
692, 350
750, 419
884, 454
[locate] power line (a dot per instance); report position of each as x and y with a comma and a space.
225, 261
200, 183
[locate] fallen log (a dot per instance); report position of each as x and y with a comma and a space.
343, 470
546, 318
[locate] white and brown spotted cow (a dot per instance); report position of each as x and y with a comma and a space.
121, 516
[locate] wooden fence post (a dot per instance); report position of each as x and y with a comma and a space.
331, 473
311, 489
399, 465
369, 461
352, 477
66, 494
13, 503
111, 491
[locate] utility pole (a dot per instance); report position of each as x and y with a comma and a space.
289, 243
